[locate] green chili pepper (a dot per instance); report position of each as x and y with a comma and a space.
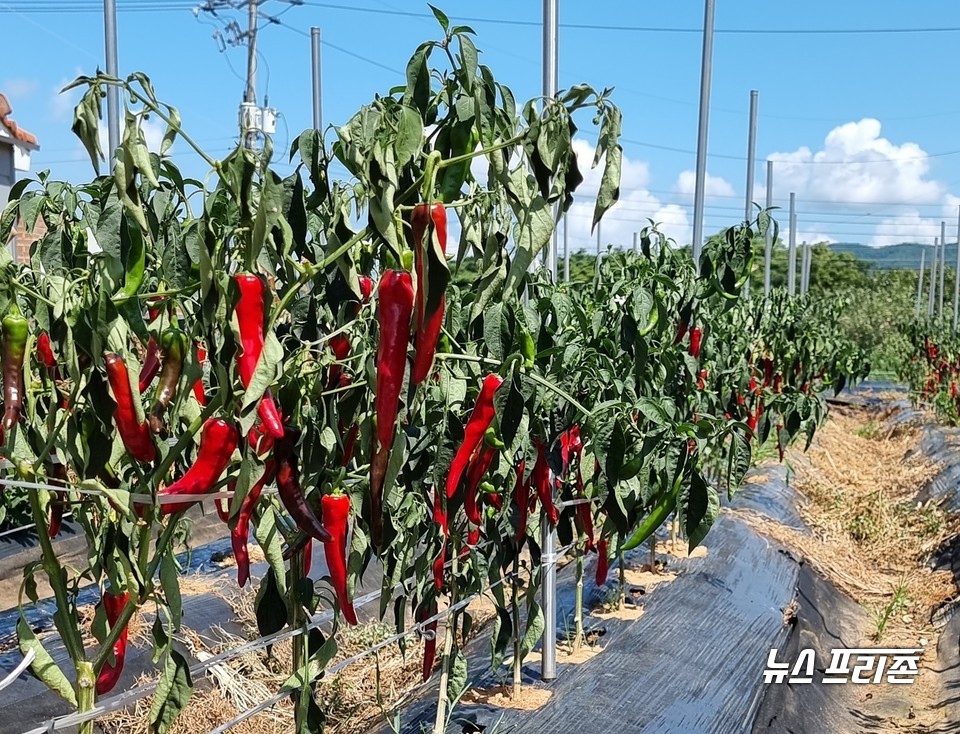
15, 329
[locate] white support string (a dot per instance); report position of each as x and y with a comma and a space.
121, 700
22, 666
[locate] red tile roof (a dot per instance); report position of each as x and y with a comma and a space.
18, 132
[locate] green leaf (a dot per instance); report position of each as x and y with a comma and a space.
268, 536
170, 581
738, 461
43, 666
409, 139
457, 683
698, 506
170, 134
173, 692
86, 124
534, 630
271, 607
441, 17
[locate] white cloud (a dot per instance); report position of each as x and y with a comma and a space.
62, 103
628, 215
855, 167
714, 185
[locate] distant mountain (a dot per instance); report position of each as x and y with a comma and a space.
905, 256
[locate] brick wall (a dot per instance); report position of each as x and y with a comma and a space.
23, 240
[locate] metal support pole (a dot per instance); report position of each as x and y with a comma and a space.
956, 280
706, 70
598, 247
636, 243
804, 253
792, 252
566, 251
943, 265
112, 64
751, 157
550, 63
548, 661
768, 235
933, 280
548, 557
317, 78
916, 310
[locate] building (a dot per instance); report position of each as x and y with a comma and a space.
16, 145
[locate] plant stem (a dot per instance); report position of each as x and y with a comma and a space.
517, 662
440, 723
483, 151
86, 693
300, 661
70, 633
312, 272
32, 293
622, 572
578, 636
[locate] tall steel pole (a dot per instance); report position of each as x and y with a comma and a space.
792, 252
551, 30
751, 157
706, 70
636, 243
933, 280
768, 235
598, 246
956, 279
317, 78
566, 251
113, 66
943, 265
548, 661
916, 310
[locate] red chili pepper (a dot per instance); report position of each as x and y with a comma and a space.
477, 424
429, 322
340, 346
521, 496
45, 352
136, 436
478, 467
767, 372
430, 639
702, 379
681, 331
288, 487
198, 392
440, 518
571, 446
113, 605
250, 318
218, 441
240, 532
151, 365
173, 345
395, 312
336, 516
223, 505
696, 335
603, 563
366, 288
307, 556
541, 483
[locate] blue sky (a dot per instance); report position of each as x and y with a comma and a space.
862, 125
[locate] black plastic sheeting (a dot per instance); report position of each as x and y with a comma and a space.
692, 664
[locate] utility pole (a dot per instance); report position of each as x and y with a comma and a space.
566, 251
112, 64
916, 310
943, 265
706, 70
792, 252
933, 280
751, 165
636, 243
768, 235
249, 112
317, 78
598, 247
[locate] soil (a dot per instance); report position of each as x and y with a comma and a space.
530, 698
